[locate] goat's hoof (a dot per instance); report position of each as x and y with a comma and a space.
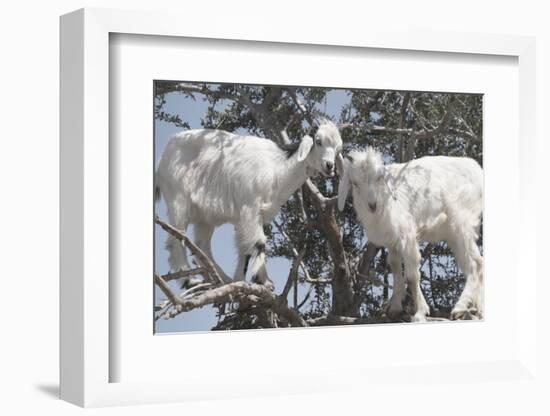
419, 318
463, 314
393, 312
189, 282
268, 283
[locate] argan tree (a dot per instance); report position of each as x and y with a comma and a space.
347, 279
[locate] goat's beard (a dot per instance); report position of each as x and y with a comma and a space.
327, 174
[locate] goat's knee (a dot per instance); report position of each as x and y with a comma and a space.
257, 263
177, 254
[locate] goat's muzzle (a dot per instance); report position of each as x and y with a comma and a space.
328, 169
328, 173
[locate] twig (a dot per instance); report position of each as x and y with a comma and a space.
294, 250
307, 276
183, 273
306, 297
374, 281
191, 291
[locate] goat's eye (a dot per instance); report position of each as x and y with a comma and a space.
318, 142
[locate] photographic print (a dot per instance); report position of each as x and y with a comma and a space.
291, 206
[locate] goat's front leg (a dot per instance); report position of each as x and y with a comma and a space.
251, 241
395, 305
412, 271
242, 267
262, 278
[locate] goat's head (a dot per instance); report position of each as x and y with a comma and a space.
322, 153
365, 172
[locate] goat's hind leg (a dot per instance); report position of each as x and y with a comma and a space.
203, 238
468, 257
177, 257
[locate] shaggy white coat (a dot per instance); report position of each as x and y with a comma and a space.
212, 177
433, 198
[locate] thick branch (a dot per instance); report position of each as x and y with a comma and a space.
320, 200
342, 289
240, 291
338, 320
350, 320
293, 274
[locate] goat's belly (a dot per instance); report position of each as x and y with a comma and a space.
212, 214
431, 236
379, 235
435, 234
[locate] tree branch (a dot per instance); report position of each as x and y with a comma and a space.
166, 290
201, 257
403, 117
239, 292
342, 288
295, 252
293, 274
183, 273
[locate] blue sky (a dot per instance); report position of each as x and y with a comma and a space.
223, 246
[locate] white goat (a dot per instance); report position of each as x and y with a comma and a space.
433, 198
212, 177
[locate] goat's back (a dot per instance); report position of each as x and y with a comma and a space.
218, 171
432, 186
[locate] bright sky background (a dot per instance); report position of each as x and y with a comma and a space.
223, 246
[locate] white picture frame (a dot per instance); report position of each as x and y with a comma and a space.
85, 264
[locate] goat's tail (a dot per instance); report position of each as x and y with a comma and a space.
156, 187
464, 211
464, 207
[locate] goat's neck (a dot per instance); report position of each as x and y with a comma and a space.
292, 175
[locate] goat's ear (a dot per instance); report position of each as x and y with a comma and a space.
340, 164
305, 146
343, 187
